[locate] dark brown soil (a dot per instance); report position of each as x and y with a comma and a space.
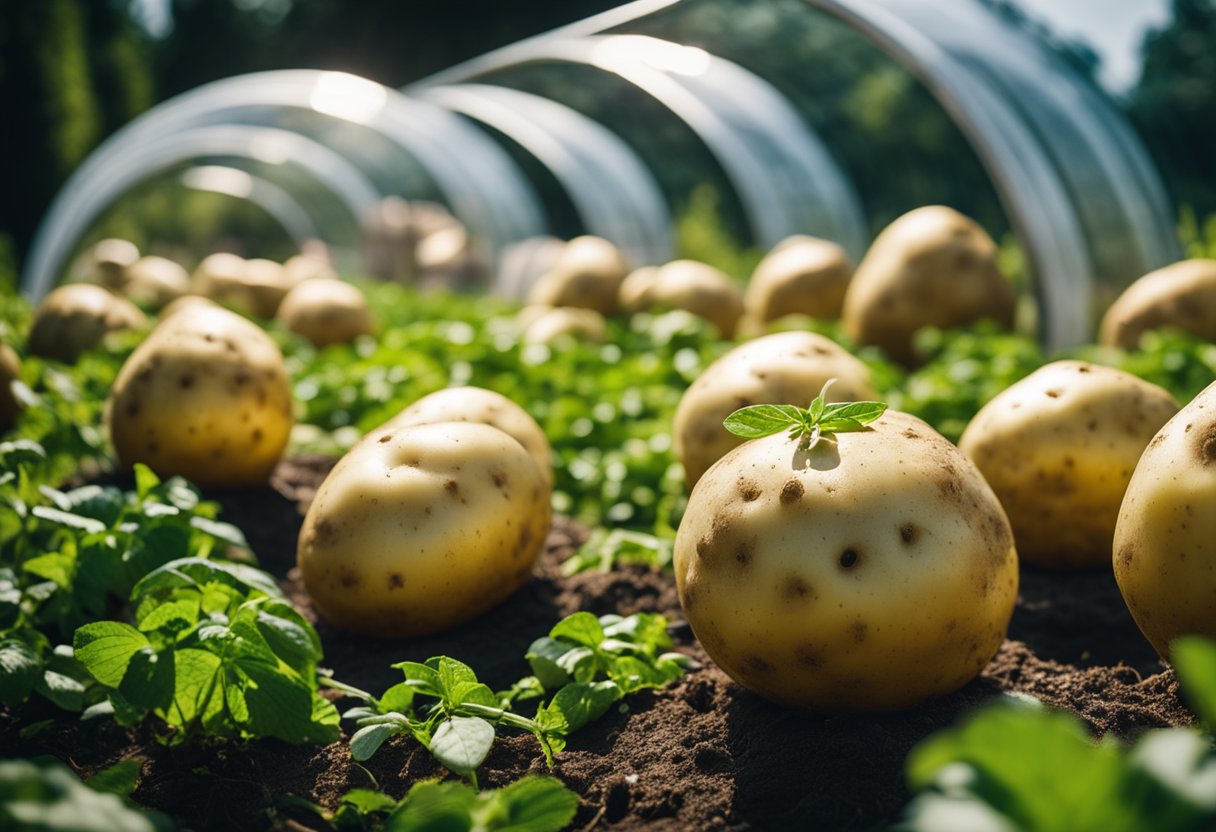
706, 754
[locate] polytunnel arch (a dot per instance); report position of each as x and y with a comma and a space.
613, 192
786, 179
480, 183
285, 209
83, 200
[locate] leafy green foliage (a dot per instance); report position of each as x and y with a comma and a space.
1017, 768
605, 549
532, 804
215, 650
43, 795
586, 663
805, 425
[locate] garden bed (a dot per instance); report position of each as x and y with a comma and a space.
704, 754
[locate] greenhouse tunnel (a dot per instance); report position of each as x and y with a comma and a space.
821, 117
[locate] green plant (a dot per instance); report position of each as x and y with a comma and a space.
44, 795
215, 651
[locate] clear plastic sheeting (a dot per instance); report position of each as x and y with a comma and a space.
614, 194
286, 210
270, 153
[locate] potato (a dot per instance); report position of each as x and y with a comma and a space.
545, 327
786, 367
301, 267
930, 267
475, 404
635, 292
1182, 296
865, 575
1058, 449
326, 311
420, 528
221, 277
588, 274
75, 318
268, 283
184, 303
694, 287
107, 261
205, 396
1165, 539
155, 281
10, 371
801, 276
448, 258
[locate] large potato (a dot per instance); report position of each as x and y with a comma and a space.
1058, 449
420, 528
75, 317
1182, 295
801, 276
1165, 540
689, 285
326, 310
476, 404
155, 281
587, 274
205, 396
865, 575
785, 367
931, 267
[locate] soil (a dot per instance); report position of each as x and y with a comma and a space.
704, 754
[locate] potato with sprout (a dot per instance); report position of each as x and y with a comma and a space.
845, 559
1165, 539
802, 275
326, 311
1058, 448
930, 267
476, 404
587, 274
1181, 295
76, 317
787, 366
205, 396
423, 527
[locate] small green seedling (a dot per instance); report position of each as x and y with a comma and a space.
807, 425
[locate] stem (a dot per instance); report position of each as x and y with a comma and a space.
349, 690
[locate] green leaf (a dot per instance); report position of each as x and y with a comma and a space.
145, 480
149, 682
67, 519
105, 648
764, 420
398, 698
422, 677
120, 778
66, 691
531, 804
1194, 660
289, 635
197, 572
454, 677
462, 743
46, 795
20, 668
860, 412
196, 693
280, 703
580, 628
368, 739
225, 532
369, 802
543, 656
431, 806
579, 703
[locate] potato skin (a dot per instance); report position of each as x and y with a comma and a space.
155, 281
1165, 540
476, 404
784, 367
864, 576
689, 285
801, 275
205, 396
543, 325
1058, 448
76, 317
326, 311
930, 267
10, 371
1181, 295
420, 528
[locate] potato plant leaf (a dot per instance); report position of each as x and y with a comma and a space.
1194, 660
807, 425
462, 743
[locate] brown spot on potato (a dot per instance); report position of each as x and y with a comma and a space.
795, 587
757, 664
1205, 445
1125, 555
133, 409
257, 436
744, 554
385, 438
849, 558
452, 488
1053, 394
395, 581
748, 491
909, 433
792, 491
1157, 440
349, 578
324, 529
186, 381
909, 532
859, 631
808, 656
498, 477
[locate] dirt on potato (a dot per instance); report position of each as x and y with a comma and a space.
705, 754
